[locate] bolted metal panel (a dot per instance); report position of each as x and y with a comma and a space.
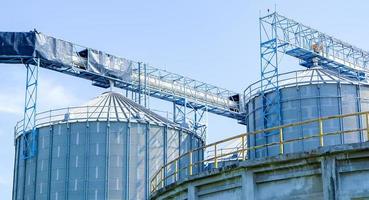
310, 101
100, 157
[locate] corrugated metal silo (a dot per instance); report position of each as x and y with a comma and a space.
304, 95
106, 149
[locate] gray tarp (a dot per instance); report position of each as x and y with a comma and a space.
53, 49
17, 44
106, 64
62, 53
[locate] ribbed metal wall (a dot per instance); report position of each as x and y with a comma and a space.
310, 101
98, 159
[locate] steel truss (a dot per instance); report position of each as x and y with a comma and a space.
280, 35
313, 47
143, 82
269, 73
191, 117
29, 136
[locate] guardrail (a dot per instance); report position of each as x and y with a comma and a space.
76, 114
234, 149
294, 78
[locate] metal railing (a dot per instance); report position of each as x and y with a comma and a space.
294, 78
78, 114
222, 152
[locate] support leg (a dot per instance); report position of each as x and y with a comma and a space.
29, 137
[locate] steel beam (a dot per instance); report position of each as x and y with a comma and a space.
29, 137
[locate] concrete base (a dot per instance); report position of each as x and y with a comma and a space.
335, 172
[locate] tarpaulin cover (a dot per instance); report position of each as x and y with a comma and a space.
53, 49
61, 53
17, 44
106, 64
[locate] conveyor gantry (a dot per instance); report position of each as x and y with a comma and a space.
280, 35
313, 47
104, 69
36, 50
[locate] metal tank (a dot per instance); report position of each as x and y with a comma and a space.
106, 149
304, 95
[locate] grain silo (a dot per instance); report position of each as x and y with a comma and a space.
304, 95
320, 150
106, 149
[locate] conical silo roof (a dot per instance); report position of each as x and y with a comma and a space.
109, 106
112, 106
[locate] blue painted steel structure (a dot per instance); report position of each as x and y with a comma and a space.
280, 35
192, 118
269, 73
306, 95
105, 70
29, 137
109, 148
192, 99
313, 47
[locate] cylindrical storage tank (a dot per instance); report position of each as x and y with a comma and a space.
305, 95
106, 149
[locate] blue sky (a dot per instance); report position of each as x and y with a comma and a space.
212, 41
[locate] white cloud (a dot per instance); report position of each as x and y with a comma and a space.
53, 95
11, 103
50, 95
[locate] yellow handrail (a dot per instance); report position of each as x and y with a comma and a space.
158, 180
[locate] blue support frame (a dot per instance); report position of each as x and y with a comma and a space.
141, 79
191, 117
269, 73
29, 136
201, 121
280, 35
314, 48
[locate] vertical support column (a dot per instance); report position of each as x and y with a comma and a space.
321, 133
67, 159
87, 155
269, 61
139, 84
188, 116
176, 172
248, 185
191, 192
50, 159
165, 150
147, 161
107, 159
145, 92
180, 112
359, 119
29, 131
16, 170
201, 121
281, 145
127, 158
191, 163
35, 161
269, 69
141, 94
367, 126
340, 120
243, 147
329, 178
215, 157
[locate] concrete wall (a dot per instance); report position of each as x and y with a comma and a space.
336, 172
